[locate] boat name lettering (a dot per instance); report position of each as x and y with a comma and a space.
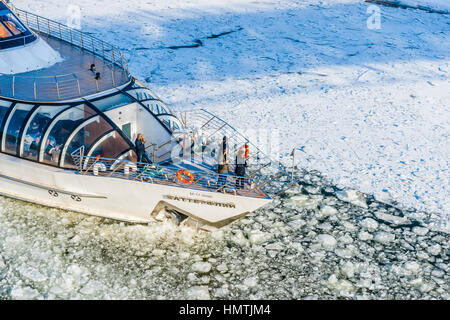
196, 194
199, 201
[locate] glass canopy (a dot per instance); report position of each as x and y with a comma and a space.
50, 133
13, 32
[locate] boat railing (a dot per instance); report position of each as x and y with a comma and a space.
61, 87
270, 175
75, 37
203, 180
112, 73
23, 40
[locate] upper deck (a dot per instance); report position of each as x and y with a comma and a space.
72, 78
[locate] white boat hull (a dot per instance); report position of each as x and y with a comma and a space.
117, 198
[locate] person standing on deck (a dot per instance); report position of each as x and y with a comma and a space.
223, 163
140, 149
193, 148
241, 164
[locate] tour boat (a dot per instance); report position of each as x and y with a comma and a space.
70, 113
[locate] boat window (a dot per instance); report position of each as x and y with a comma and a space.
4, 107
126, 129
113, 102
159, 108
141, 94
12, 31
176, 126
12, 23
170, 121
130, 156
148, 105
85, 135
165, 110
35, 130
111, 146
12, 128
4, 33
60, 129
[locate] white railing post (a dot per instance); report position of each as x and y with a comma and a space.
57, 90
79, 89
37, 23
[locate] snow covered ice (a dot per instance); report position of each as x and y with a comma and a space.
368, 107
53, 254
431, 5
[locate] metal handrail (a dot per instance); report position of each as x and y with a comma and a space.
48, 77
24, 38
157, 174
57, 87
66, 86
75, 37
263, 170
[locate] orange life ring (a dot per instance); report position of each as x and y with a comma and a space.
182, 173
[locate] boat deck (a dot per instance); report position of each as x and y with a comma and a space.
205, 176
207, 180
66, 80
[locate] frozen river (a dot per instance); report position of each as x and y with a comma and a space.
315, 242
368, 108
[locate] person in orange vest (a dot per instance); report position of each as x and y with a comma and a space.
241, 164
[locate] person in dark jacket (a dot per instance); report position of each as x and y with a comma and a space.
223, 163
140, 149
241, 163
193, 149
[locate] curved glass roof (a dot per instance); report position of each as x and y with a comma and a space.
50, 133
156, 107
13, 32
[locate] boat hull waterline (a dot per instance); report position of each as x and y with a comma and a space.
119, 199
